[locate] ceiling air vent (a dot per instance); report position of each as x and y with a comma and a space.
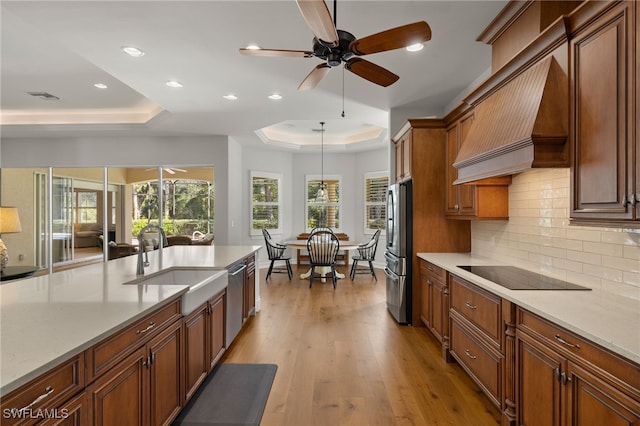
45, 96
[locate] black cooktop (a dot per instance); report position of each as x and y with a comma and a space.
520, 279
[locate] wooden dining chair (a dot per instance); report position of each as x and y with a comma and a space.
366, 253
275, 251
323, 246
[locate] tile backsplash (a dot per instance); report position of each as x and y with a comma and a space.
538, 237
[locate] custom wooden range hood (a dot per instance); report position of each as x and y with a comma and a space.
517, 126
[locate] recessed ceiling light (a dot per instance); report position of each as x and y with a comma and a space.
173, 83
253, 47
415, 47
100, 85
230, 97
133, 51
274, 96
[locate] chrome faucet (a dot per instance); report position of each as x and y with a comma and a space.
142, 246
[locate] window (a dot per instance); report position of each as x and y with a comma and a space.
321, 213
265, 202
86, 207
375, 207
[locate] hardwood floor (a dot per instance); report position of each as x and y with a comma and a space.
343, 360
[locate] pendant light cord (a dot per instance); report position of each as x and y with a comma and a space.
322, 154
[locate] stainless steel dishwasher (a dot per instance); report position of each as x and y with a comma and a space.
234, 301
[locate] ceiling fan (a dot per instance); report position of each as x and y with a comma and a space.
170, 170
335, 46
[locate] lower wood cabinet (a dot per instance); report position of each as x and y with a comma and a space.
204, 341
434, 294
562, 379
47, 395
143, 389
477, 338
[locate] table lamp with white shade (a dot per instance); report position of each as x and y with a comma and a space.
9, 223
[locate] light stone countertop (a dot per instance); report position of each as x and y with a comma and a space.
610, 320
48, 319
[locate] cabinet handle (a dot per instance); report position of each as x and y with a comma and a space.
565, 379
564, 342
631, 201
467, 353
429, 282
558, 374
470, 306
456, 207
149, 327
47, 391
152, 360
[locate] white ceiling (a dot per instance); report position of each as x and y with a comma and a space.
63, 48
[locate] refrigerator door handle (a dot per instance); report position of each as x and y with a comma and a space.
388, 272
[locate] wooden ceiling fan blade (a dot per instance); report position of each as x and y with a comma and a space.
314, 77
277, 53
318, 19
394, 38
372, 72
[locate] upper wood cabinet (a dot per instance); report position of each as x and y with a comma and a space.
423, 140
485, 199
605, 179
403, 156
460, 199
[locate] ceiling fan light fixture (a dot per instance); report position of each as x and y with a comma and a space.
275, 96
416, 47
133, 51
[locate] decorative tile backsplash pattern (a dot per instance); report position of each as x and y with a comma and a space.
538, 237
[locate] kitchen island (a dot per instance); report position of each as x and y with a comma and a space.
49, 319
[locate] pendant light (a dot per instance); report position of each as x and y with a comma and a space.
322, 196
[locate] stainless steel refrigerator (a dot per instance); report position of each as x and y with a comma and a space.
399, 250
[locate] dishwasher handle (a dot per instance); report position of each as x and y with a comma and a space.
237, 270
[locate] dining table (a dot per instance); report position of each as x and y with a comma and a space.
302, 245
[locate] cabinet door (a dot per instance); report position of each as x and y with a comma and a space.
216, 329
425, 305
165, 356
538, 384
196, 355
399, 160
437, 309
595, 402
603, 60
407, 142
466, 193
452, 205
120, 396
73, 413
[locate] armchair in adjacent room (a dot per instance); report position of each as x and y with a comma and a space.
276, 252
366, 253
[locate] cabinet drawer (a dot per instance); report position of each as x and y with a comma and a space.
569, 344
46, 392
115, 348
436, 272
483, 364
481, 308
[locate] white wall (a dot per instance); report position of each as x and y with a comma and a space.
294, 167
538, 237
